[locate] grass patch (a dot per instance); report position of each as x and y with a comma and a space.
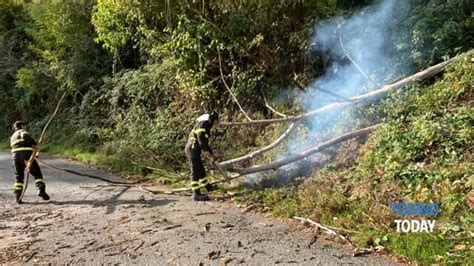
112, 162
5, 144
425, 248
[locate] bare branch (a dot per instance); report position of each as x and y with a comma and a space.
272, 145
86, 175
325, 228
35, 151
279, 163
230, 91
270, 107
352, 60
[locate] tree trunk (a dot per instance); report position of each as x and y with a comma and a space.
279, 163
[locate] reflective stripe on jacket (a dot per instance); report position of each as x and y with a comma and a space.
21, 141
198, 139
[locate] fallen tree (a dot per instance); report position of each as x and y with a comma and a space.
279, 163
383, 91
275, 164
373, 95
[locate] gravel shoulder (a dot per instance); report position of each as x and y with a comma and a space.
90, 222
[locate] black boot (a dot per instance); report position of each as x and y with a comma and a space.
42, 191
210, 187
197, 196
18, 196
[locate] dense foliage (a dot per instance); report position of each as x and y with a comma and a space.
163, 55
138, 72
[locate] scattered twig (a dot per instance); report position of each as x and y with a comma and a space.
172, 227
204, 213
313, 240
88, 244
362, 252
328, 230
249, 208
139, 246
30, 256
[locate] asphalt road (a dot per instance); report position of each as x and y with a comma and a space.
89, 222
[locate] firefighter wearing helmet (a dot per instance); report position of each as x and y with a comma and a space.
22, 145
198, 142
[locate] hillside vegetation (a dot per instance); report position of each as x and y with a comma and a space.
137, 74
422, 153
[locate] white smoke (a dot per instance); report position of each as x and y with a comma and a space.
367, 37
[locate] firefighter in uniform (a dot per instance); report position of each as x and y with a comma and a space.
197, 143
22, 147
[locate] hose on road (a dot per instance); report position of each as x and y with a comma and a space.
86, 175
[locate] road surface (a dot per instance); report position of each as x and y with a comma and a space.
88, 222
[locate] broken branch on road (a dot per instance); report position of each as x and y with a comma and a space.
172, 227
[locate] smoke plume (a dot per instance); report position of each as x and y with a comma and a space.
360, 52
